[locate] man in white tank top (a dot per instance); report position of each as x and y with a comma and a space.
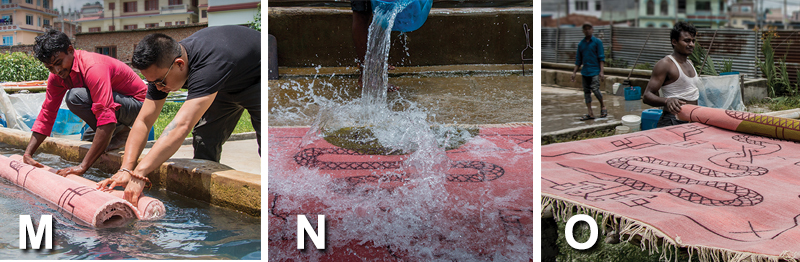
675, 76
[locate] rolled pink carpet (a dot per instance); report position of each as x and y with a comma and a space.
78, 196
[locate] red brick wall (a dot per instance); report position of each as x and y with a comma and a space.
126, 40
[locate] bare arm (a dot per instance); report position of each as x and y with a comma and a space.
36, 140
101, 139
657, 78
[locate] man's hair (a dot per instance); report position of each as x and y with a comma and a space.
50, 43
155, 49
681, 27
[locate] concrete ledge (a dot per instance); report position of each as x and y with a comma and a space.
199, 179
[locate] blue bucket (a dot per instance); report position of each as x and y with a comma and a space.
633, 93
409, 19
650, 118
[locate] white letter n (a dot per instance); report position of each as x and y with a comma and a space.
45, 228
303, 227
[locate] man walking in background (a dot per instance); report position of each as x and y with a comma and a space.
590, 56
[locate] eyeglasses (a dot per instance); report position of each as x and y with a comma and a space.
161, 82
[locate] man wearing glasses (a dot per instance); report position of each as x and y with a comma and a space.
99, 89
220, 67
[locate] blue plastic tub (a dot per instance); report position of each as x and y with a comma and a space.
650, 118
633, 93
67, 123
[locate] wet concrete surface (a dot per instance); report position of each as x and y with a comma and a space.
463, 99
562, 108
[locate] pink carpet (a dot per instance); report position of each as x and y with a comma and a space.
485, 208
721, 193
78, 197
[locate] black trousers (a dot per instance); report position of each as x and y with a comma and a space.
217, 124
79, 101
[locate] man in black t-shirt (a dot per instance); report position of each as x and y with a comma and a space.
220, 67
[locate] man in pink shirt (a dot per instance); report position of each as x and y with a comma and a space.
99, 89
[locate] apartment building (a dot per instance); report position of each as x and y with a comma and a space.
231, 12
138, 14
701, 13
22, 20
743, 15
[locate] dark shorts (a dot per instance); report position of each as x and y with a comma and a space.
668, 119
591, 84
361, 5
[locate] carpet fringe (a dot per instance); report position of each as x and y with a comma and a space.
630, 229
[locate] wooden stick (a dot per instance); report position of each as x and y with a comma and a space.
705, 57
637, 57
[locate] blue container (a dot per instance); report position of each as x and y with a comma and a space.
633, 93
409, 19
729, 73
650, 118
67, 123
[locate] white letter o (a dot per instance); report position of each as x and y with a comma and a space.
592, 228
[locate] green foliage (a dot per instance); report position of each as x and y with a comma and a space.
778, 103
19, 66
602, 251
727, 66
256, 24
697, 59
171, 109
777, 77
619, 63
644, 66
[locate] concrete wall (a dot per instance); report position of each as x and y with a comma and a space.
126, 40
310, 36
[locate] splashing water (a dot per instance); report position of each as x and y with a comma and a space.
411, 211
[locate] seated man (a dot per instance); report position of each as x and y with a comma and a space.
101, 90
221, 68
675, 76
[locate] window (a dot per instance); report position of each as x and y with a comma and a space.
651, 7
745, 9
6, 1
681, 6
107, 50
29, 1
180, 22
29, 20
46, 22
129, 27
735, 22
664, 7
111, 6
150, 5
175, 2
722, 7
46, 4
664, 25
167, 23
702, 6
38, 2
94, 29
129, 7
153, 25
8, 40
6, 20
40, 21
111, 28
204, 13
582, 5
598, 6
651, 25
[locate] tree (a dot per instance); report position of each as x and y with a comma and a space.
257, 23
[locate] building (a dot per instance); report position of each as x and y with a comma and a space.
137, 14
586, 7
664, 13
742, 15
231, 12
203, 8
22, 20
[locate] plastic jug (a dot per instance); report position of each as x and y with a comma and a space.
409, 19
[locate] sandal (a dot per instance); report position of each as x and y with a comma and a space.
586, 117
603, 113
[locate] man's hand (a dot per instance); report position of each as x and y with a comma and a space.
121, 178
602, 76
573, 77
673, 105
75, 170
133, 191
28, 159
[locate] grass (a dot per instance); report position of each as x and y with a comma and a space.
778, 103
171, 108
601, 251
